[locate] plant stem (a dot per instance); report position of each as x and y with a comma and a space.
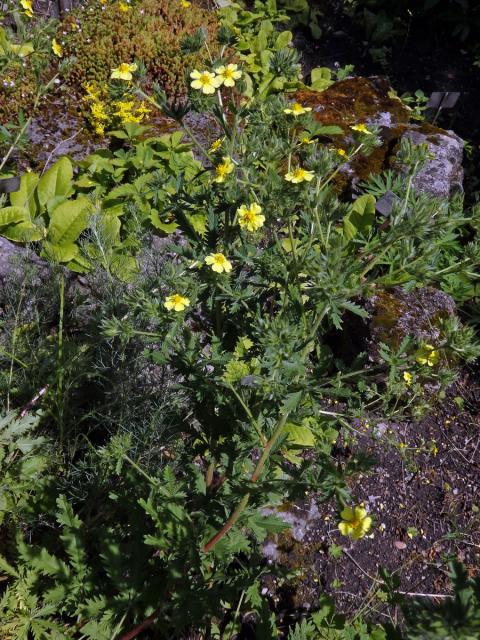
60, 370
255, 424
242, 505
14, 343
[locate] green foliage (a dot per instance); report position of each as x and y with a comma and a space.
23, 461
186, 407
43, 210
98, 218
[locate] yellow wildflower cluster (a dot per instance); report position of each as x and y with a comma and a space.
95, 100
103, 113
130, 110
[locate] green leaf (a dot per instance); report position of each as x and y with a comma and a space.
166, 227
321, 78
299, 435
57, 181
22, 50
283, 40
68, 220
271, 524
59, 252
291, 402
13, 215
26, 196
360, 218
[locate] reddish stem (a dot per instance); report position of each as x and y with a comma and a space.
141, 627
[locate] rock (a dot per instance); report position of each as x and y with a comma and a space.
14, 258
442, 176
395, 314
373, 102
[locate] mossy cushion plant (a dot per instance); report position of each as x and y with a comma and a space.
101, 35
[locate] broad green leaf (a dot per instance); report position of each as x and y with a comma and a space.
283, 40
79, 264
299, 435
321, 78
68, 220
57, 181
125, 267
23, 232
360, 218
198, 222
12, 215
110, 226
26, 196
64, 252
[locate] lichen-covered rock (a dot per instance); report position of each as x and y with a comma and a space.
442, 176
373, 102
396, 314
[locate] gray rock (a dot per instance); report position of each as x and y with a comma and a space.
442, 176
14, 259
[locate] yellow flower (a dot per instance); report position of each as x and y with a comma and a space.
219, 262
355, 522
123, 71
296, 109
227, 75
124, 7
299, 175
361, 128
57, 48
427, 355
407, 376
185, 4
250, 217
27, 6
307, 141
223, 169
205, 81
341, 152
176, 302
215, 146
